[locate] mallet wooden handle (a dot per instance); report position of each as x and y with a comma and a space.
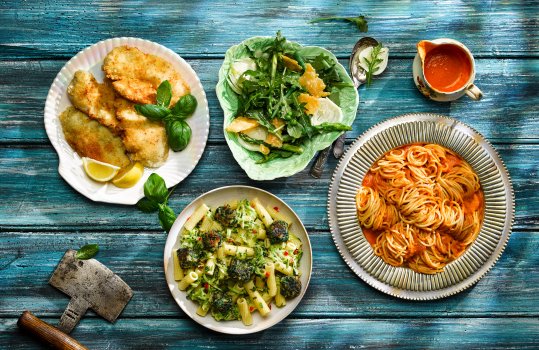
47, 333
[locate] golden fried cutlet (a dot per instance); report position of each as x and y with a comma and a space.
94, 99
90, 139
144, 140
136, 75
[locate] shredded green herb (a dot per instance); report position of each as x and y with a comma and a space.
359, 21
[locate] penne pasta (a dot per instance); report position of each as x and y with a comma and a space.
262, 212
280, 301
284, 269
202, 310
197, 215
178, 271
276, 215
245, 314
259, 283
270, 278
206, 224
238, 251
257, 299
187, 280
221, 253
210, 266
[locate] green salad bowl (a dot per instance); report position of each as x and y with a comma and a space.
280, 167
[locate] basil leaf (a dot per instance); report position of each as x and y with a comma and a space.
164, 94
87, 252
185, 106
147, 205
178, 134
155, 189
152, 112
166, 217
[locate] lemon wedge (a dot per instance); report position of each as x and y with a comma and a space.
128, 176
99, 171
327, 112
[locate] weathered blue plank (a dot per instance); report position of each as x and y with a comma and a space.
27, 260
324, 333
35, 197
207, 28
507, 112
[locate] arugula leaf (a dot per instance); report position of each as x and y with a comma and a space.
325, 67
152, 112
166, 217
155, 188
261, 118
359, 21
87, 252
147, 205
164, 94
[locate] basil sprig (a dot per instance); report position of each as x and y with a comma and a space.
156, 199
87, 252
178, 131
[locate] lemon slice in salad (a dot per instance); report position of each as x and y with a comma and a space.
129, 176
327, 112
99, 171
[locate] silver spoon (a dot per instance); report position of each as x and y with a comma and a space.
359, 77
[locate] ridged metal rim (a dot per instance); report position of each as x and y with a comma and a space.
478, 258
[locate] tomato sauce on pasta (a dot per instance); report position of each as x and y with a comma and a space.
420, 206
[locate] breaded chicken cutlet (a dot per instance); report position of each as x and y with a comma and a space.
94, 99
91, 139
136, 75
144, 140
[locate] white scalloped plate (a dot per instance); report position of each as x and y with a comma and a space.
213, 199
178, 165
482, 254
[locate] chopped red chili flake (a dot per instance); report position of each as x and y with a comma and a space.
276, 209
252, 205
230, 240
296, 252
269, 305
267, 274
251, 308
254, 231
199, 238
285, 253
206, 285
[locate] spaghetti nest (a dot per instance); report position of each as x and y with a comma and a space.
420, 206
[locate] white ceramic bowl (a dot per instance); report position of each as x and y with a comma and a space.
213, 199
178, 165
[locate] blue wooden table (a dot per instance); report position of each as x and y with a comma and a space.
41, 216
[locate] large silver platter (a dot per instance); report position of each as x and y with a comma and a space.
479, 257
